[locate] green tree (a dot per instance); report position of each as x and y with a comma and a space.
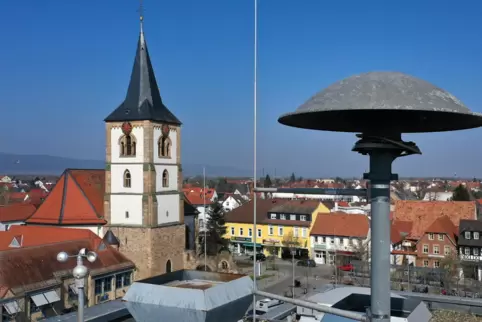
267, 181
293, 178
216, 230
461, 194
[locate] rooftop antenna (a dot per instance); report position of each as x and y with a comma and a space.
380, 106
255, 233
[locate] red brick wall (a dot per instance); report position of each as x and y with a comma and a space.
421, 257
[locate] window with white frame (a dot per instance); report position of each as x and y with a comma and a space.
467, 251
425, 263
280, 231
436, 264
259, 233
321, 240
475, 251
303, 217
441, 237
282, 216
270, 230
240, 231
476, 235
430, 236
232, 231
292, 217
273, 216
303, 232
250, 232
425, 249
436, 250
332, 240
447, 250
295, 231
467, 235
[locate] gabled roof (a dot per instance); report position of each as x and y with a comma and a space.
423, 213
340, 224
443, 225
77, 199
143, 100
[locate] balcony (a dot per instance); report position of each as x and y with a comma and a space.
319, 246
470, 258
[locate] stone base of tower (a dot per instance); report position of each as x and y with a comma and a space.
151, 248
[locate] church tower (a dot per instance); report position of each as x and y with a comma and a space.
144, 206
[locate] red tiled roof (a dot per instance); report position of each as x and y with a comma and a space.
16, 212
443, 225
27, 266
196, 197
77, 199
340, 224
43, 235
423, 213
399, 230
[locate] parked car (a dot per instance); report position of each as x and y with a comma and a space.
306, 263
346, 268
259, 257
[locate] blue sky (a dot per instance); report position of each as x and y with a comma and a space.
65, 65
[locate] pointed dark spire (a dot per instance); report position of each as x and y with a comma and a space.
143, 100
111, 239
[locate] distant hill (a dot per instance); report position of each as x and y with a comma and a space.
46, 164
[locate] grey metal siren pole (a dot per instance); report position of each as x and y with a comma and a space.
79, 272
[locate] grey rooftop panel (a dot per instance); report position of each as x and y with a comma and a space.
190, 296
384, 101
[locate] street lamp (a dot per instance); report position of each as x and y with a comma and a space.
79, 272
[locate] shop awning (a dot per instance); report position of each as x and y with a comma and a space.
12, 307
42, 299
251, 245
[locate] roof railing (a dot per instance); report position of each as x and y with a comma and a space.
315, 306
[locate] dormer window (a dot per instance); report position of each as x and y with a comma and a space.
476, 235
283, 216
16, 241
467, 235
273, 216
430, 236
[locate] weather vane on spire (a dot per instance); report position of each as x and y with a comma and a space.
141, 12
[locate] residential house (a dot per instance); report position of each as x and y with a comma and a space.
427, 230
470, 247
15, 214
339, 235
34, 285
201, 200
232, 201
280, 223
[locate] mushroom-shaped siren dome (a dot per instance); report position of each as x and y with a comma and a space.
382, 102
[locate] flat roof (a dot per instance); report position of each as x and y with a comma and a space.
197, 284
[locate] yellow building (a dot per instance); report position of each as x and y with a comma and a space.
280, 224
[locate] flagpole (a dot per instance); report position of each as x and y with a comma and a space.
255, 148
205, 221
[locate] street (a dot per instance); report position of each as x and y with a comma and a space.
280, 279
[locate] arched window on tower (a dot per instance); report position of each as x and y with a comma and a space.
164, 147
127, 146
168, 266
127, 179
165, 179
